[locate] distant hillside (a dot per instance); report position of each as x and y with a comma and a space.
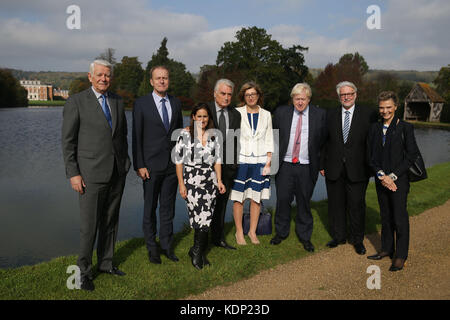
407, 75
57, 79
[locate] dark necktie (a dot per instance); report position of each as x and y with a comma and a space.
385, 128
165, 114
105, 109
222, 124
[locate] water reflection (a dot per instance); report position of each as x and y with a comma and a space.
39, 211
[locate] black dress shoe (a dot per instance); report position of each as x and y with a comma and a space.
334, 243
87, 284
359, 248
170, 255
308, 246
276, 240
397, 265
380, 256
223, 244
154, 258
114, 271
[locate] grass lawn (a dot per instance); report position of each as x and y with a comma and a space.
172, 280
44, 103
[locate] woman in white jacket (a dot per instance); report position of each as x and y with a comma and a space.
256, 147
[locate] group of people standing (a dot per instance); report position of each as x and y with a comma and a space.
226, 154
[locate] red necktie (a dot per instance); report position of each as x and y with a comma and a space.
297, 140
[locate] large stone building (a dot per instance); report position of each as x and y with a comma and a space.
37, 91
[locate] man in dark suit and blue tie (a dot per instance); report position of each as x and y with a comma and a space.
346, 167
95, 150
155, 117
301, 135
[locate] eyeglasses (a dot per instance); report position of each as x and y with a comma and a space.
343, 95
251, 95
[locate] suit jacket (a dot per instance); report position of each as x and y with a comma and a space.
234, 118
152, 144
90, 146
399, 151
255, 145
282, 121
354, 152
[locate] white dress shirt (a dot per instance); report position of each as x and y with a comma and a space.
303, 157
352, 110
158, 103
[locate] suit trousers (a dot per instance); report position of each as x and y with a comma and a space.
294, 180
345, 196
160, 188
99, 211
394, 217
218, 219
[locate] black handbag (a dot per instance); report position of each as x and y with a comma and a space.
264, 223
417, 171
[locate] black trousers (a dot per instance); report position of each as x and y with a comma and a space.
394, 217
218, 219
294, 180
346, 197
99, 213
160, 189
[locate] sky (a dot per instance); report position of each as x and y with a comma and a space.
413, 34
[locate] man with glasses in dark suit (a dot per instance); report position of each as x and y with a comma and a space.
345, 167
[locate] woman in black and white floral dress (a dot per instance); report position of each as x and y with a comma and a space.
198, 163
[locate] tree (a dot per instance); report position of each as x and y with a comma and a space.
78, 85
255, 56
181, 81
12, 94
354, 59
108, 55
351, 67
128, 75
442, 83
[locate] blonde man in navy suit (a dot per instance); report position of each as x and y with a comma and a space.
95, 150
302, 133
155, 117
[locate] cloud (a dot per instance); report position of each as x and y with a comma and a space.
34, 36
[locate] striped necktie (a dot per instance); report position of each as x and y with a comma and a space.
346, 128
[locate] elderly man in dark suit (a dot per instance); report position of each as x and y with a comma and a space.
155, 117
301, 135
95, 150
227, 120
345, 167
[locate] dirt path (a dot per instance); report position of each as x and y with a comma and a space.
340, 273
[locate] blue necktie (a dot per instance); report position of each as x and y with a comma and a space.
165, 114
346, 128
106, 110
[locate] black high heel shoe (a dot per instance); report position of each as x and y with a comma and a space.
397, 265
380, 255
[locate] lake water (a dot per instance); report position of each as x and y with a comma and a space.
39, 213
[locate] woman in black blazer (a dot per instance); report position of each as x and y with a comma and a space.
392, 149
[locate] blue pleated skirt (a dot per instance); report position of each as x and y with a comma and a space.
250, 183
